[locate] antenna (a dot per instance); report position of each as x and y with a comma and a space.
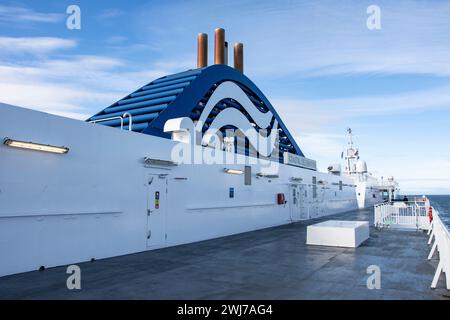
350, 153
350, 137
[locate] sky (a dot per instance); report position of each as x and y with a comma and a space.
317, 62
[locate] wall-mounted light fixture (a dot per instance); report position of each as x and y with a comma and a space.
158, 162
267, 175
233, 171
34, 146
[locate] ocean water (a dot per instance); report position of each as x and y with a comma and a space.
442, 204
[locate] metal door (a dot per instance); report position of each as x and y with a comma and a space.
297, 202
156, 210
294, 203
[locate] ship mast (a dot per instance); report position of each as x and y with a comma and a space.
351, 154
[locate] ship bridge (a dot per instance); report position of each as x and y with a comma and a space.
216, 96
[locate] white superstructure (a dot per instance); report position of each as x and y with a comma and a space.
105, 197
369, 189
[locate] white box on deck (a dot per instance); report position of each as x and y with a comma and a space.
338, 233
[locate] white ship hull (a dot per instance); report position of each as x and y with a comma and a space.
96, 200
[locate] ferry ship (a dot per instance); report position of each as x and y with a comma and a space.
187, 157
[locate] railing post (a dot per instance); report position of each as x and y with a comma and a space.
431, 236
130, 120
436, 275
433, 248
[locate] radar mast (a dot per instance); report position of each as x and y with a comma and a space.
351, 154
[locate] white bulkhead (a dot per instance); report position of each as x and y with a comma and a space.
117, 192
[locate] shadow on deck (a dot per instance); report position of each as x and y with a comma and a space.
273, 263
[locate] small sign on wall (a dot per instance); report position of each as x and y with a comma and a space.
157, 200
231, 193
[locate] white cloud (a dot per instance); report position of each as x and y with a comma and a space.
415, 174
329, 39
172, 66
76, 86
313, 38
312, 122
35, 45
325, 148
52, 98
111, 13
431, 175
306, 115
14, 14
115, 40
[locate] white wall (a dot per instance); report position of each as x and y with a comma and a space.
92, 202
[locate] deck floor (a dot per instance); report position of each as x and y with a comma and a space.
273, 263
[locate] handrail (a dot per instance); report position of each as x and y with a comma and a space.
107, 119
121, 118
402, 214
130, 122
442, 244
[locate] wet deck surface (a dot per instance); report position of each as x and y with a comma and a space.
273, 263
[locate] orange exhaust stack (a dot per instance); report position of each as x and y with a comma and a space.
219, 46
202, 50
239, 57
220, 50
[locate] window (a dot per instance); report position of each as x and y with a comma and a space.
340, 185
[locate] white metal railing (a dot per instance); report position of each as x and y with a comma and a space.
441, 244
410, 214
416, 214
121, 118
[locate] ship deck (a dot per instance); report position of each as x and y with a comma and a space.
273, 263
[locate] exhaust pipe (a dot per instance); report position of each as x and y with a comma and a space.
202, 50
219, 46
239, 56
220, 50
